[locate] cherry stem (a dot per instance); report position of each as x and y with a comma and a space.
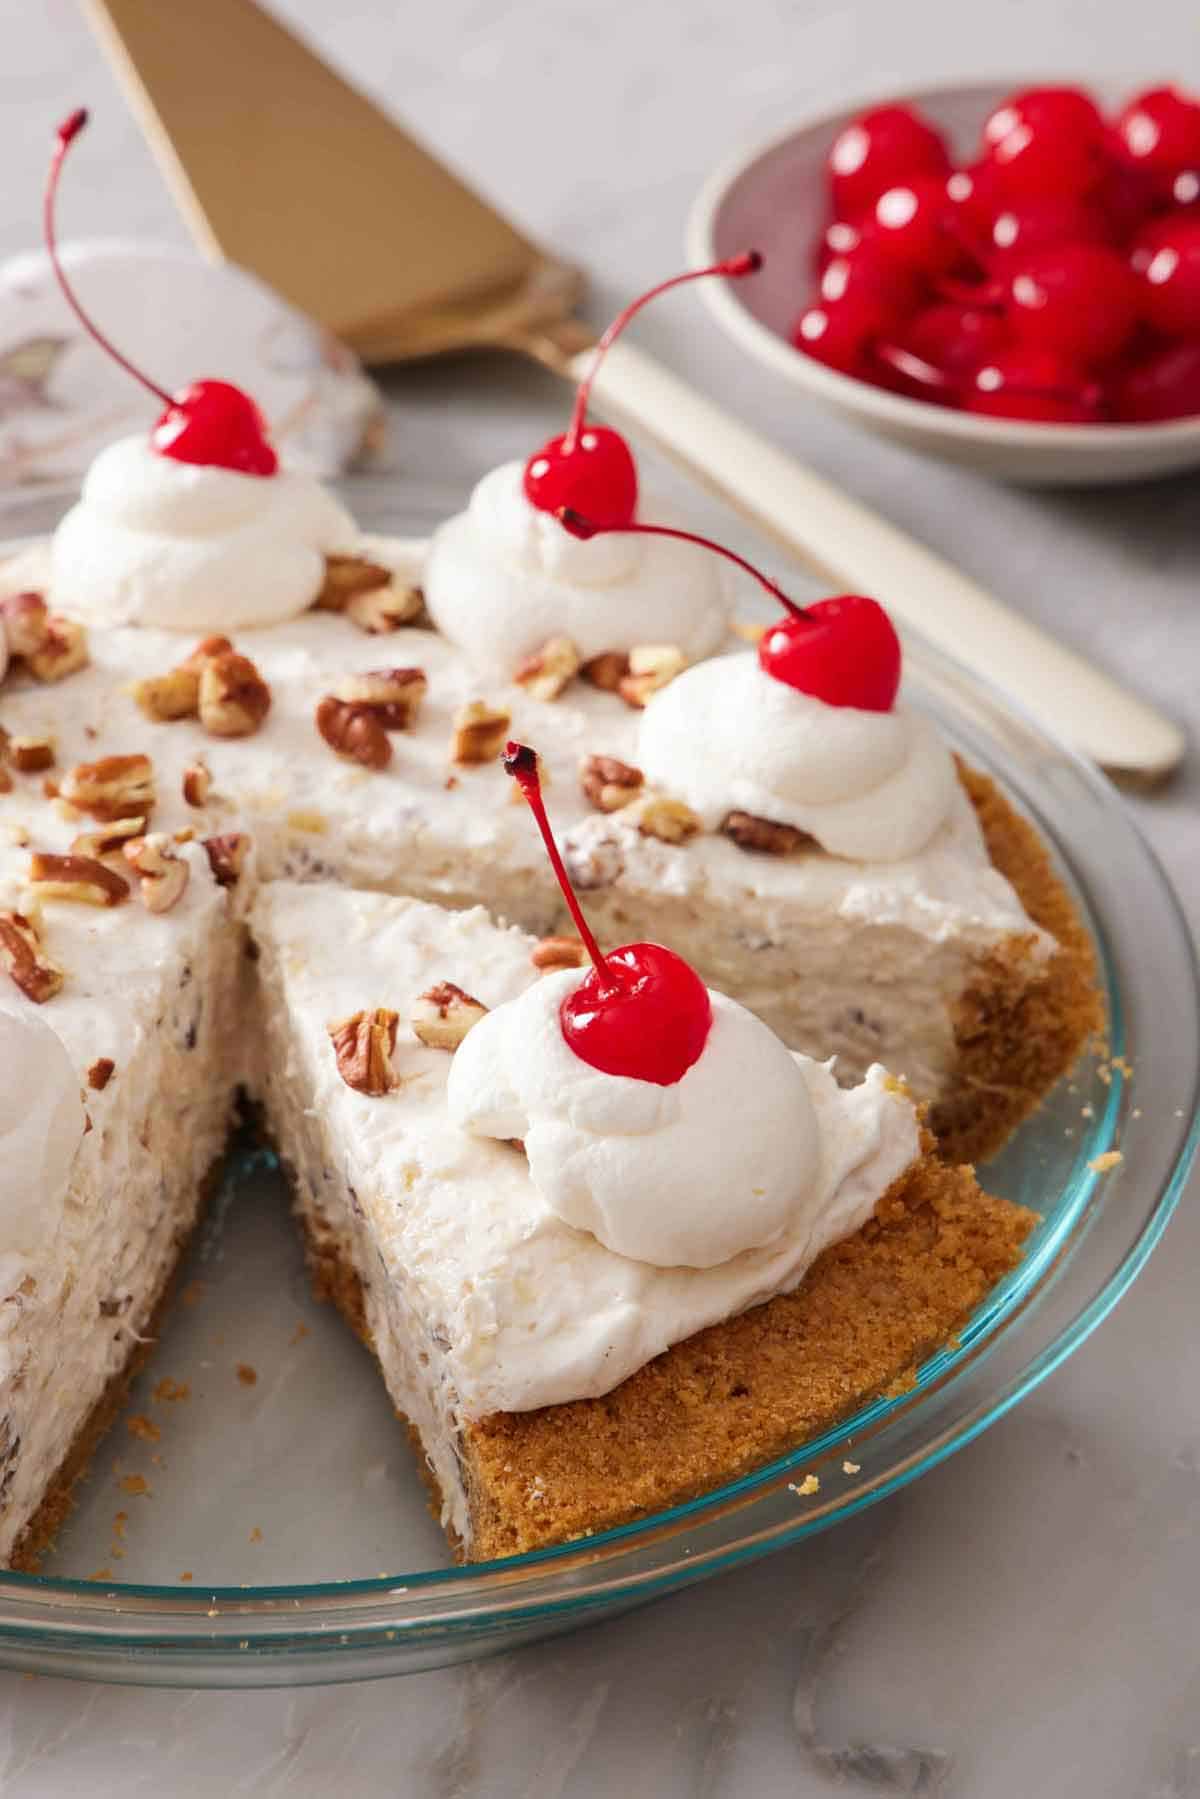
68, 131
981, 296
583, 528
747, 263
522, 764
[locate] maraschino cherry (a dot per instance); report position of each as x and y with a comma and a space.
886, 146
1046, 141
591, 466
642, 1011
207, 422
843, 651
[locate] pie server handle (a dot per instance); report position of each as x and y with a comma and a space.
856, 551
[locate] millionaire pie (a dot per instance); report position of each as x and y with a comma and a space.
223, 704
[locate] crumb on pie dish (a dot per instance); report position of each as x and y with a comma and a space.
618, 1224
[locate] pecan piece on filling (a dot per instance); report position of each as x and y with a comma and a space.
606, 671
394, 695
443, 1015
384, 609
670, 821
362, 1047
480, 732
111, 839
196, 783
22, 955
651, 667
115, 787
548, 672
609, 783
31, 755
354, 732
80, 878
347, 575
763, 835
26, 623
162, 873
550, 954
64, 650
101, 1073
227, 856
177, 693
234, 698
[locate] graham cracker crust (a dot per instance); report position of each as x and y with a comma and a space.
734, 1396
38, 1537
1015, 1040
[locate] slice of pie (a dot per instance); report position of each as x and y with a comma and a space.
555, 1386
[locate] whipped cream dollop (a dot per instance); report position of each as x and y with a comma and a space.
685, 1176
41, 1127
190, 547
728, 737
502, 578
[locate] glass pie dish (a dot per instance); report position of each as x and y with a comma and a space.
256, 1518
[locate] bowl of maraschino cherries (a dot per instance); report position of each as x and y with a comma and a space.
1007, 277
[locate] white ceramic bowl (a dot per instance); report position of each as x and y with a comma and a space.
775, 198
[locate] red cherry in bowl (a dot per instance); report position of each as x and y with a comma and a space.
1038, 221
1046, 141
642, 1012
208, 422
1040, 386
1159, 387
1166, 258
913, 227
1159, 131
885, 146
1078, 300
590, 466
955, 338
844, 651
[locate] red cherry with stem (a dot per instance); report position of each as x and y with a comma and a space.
642, 1012
1166, 258
591, 466
1162, 386
915, 227
1046, 140
209, 422
888, 145
844, 651
1159, 131
1042, 386
1080, 300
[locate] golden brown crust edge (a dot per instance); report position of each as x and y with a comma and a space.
731, 1397
1014, 1040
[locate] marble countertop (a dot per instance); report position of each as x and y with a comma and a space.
1023, 1621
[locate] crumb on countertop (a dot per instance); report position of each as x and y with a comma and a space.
246, 1374
169, 1390
1112, 1158
141, 1426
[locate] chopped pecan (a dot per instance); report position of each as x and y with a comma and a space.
234, 698
101, 1073
763, 834
442, 1016
354, 732
607, 671
344, 577
363, 1045
63, 652
384, 609
6, 780
207, 650
26, 623
115, 787
173, 695
31, 755
748, 632
609, 783
22, 955
227, 856
80, 878
669, 820
558, 952
197, 782
480, 731
162, 874
549, 670
111, 840
394, 695
651, 667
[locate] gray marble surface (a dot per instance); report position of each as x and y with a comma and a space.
1024, 1621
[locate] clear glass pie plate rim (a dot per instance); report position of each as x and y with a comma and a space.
1100, 1228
